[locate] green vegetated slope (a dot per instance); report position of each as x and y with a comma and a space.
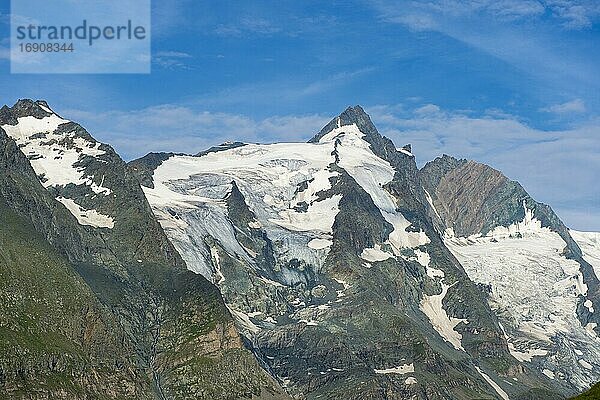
592, 394
56, 339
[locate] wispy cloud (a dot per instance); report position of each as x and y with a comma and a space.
278, 91
245, 25
169, 17
172, 59
573, 106
522, 33
578, 14
575, 14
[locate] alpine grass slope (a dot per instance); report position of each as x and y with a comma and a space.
352, 274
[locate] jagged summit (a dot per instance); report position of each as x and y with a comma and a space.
25, 108
352, 115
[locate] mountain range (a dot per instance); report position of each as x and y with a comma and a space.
332, 269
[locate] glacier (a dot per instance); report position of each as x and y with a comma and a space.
534, 289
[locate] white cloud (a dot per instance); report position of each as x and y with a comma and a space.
428, 109
573, 106
578, 14
175, 54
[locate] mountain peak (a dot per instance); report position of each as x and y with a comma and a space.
352, 115
25, 108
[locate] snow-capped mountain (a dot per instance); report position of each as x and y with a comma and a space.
349, 272
63, 156
343, 273
98, 303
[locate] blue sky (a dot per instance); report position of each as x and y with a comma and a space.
513, 83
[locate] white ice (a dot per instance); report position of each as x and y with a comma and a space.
534, 290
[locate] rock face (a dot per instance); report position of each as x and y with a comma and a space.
539, 282
123, 286
331, 257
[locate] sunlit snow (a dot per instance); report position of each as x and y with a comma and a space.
535, 290
53, 155
432, 306
401, 369
493, 384
87, 217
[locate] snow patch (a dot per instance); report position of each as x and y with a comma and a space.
432, 307
87, 217
404, 151
548, 373
254, 224
589, 305
270, 282
435, 273
401, 369
493, 384
27, 126
374, 254
423, 258
586, 364
430, 201
218, 278
243, 320
319, 244
526, 355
